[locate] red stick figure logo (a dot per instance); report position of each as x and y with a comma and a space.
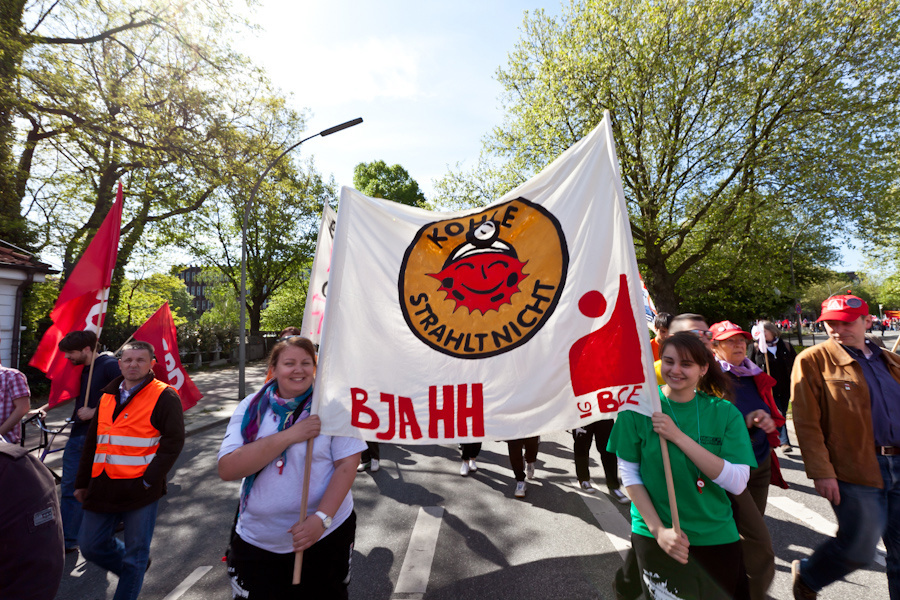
610, 356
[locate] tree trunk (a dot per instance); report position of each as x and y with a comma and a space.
13, 227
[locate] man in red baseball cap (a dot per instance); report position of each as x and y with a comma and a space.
846, 394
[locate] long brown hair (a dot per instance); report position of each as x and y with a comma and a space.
689, 346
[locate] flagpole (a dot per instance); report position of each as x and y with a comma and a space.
102, 317
896, 343
304, 499
667, 470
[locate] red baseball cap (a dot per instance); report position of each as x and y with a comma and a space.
726, 329
843, 308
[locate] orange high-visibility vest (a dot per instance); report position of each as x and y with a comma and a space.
127, 445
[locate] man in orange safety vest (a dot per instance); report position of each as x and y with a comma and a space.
134, 439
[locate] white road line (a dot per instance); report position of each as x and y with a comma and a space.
416, 568
815, 520
616, 527
187, 583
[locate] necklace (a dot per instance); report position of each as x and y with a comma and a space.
700, 482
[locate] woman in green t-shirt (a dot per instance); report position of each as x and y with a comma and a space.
710, 455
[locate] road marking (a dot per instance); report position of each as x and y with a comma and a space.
815, 520
416, 568
187, 583
616, 527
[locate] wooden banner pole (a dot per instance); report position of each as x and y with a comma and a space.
304, 499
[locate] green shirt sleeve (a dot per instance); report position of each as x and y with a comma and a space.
624, 441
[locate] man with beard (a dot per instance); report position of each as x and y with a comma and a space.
79, 348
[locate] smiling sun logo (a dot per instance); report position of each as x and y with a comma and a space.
484, 284
483, 272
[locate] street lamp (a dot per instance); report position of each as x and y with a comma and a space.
242, 351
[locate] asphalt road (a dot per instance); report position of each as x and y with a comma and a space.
556, 543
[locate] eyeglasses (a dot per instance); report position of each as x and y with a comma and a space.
701, 333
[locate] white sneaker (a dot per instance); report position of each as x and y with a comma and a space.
464, 469
586, 487
363, 466
472, 466
520, 489
620, 496
375, 465
529, 470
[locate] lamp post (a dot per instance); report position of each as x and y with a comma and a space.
242, 348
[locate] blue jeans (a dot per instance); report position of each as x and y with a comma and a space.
864, 515
69, 507
128, 560
783, 436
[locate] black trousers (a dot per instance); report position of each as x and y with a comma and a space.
372, 451
530, 445
258, 574
712, 572
470, 451
597, 432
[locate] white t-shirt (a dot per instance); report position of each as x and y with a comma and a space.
274, 503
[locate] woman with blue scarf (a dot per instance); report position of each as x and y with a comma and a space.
264, 446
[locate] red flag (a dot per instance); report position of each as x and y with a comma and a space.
159, 330
81, 305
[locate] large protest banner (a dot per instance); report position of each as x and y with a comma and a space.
314, 310
521, 318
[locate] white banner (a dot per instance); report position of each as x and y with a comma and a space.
314, 311
521, 318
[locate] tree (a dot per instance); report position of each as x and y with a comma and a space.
378, 180
286, 306
281, 237
722, 113
37, 41
142, 297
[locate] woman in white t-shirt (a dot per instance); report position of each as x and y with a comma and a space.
264, 446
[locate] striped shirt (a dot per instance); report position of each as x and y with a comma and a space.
13, 385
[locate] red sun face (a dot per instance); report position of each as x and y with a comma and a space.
482, 281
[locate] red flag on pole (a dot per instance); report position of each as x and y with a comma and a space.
159, 330
81, 305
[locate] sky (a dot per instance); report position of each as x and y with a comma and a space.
420, 74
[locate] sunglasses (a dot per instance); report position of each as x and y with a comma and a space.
701, 333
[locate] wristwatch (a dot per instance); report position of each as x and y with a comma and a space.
326, 520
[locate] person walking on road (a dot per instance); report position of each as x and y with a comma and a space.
752, 394
777, 361
710, 454
79, 349
131, 445
265, 446
15, 402
597, 432
846, 395
522, 466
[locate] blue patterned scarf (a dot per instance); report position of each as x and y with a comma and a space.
265, 399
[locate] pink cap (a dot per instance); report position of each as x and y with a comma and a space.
726, 329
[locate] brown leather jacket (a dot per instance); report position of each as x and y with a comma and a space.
833, 414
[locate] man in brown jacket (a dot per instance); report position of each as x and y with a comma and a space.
846, 394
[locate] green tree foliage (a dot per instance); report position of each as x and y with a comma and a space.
72, 68
285, 308
282, 229
737, 126
378, 180
154, 97
141, 298
225, 311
